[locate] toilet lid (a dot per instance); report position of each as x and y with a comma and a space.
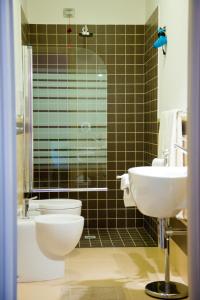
60, 204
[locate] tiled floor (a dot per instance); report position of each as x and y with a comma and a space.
102, 274
131, 237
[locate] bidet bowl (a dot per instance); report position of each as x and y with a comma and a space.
58, 234
159, 191
32, 264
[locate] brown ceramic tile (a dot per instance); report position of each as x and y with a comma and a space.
120, 79
51, 29
130, 39
32, 39
110, 49
101, 49
139, 29
120, 59
120, 69
61, 29
110, 39
41, 39
139, 39
42, 29
61, 39
120, 39
32, 28
130, 49
110, 59
110, 29
101, 29
130, 29
101, 39
120, 29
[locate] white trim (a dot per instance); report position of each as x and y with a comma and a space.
8, 192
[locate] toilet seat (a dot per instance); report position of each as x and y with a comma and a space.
56, 206
60, 203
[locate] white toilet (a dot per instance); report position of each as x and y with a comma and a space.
52, 231
58, 234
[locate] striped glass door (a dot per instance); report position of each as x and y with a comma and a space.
70, 121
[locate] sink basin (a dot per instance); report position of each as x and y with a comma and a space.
159, 191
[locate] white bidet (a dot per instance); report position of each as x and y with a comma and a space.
32, 264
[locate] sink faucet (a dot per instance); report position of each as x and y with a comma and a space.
166, 157
181, 148
25, 206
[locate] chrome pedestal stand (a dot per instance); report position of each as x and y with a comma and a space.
166, 289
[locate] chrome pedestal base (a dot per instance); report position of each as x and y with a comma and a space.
164, 290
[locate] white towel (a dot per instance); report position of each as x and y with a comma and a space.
158, 162
182, 215
128, 198
170, 133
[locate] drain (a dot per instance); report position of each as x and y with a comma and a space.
90, 237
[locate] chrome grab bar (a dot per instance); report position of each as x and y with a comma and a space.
181, 148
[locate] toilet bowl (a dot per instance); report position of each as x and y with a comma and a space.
58, 234
55, 206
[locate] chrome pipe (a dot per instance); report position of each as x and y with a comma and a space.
31, 117
181, 148
60, 190
167, 254
161, 233
166, 289
171, 232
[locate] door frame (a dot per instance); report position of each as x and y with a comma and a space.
8, 190
194, 151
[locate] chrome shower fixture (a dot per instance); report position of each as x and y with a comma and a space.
85, 32
68, 13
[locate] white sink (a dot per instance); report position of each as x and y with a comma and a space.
159, 191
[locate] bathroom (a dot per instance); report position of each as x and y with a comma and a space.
101, 95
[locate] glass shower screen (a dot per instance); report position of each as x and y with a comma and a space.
69, 119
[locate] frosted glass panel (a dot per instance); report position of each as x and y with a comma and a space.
70, 124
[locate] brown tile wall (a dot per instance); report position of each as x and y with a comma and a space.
151, 90
150, 104
122, 49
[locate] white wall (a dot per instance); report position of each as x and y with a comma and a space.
87, 11
173, 68
150, 6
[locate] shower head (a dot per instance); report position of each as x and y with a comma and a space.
85, 32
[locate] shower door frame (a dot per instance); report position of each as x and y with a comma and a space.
194, 150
